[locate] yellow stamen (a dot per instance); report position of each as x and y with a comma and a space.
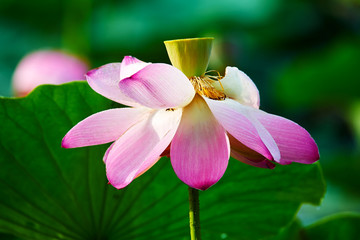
203, 86
218, 78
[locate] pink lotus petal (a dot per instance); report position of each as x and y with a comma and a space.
103, 127
238, 120
200, 150
146, 167
140, 147
159, 86
130, 66
47, 67
244, 150
246, 155
238, 86
107, 152
265, 163
294, 142
105, 81
265, 136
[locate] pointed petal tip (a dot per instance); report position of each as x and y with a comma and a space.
64, 143
91, 72
202, 187
201, 184
306, 153
311, 156
130, 60
315, 157
114, 180
105, 79
316, 152
270, 165
306, 160
69, 142
117, 185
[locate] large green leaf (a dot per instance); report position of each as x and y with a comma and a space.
340, 226
292, 231
47, 192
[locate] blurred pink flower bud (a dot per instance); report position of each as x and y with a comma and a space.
46, 67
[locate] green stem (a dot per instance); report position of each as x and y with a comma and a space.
194, 214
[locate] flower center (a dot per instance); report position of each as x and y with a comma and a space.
203, 86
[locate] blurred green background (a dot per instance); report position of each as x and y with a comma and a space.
304, 56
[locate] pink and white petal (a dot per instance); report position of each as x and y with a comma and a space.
237, 119
238, 86
159, 86
105, 81
146, 167
294, 142
103, 127
265, 136
265, 163
107, 152
140, 147
200, 150
131, 65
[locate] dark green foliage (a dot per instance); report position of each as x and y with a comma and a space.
47, 192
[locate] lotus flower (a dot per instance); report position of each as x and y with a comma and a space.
46, 67
199, 121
